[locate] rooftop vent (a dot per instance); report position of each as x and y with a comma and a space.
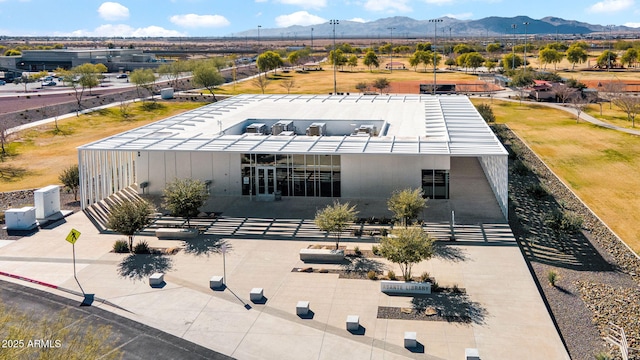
257, 128
317, 129
281, 126
365, 130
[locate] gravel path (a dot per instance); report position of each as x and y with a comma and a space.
598, 275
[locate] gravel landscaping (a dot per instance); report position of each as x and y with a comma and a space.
598, 274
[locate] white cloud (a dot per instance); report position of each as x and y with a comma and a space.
113, 11
610, 6
313, 4
302, 18
110, 30
387, 6
358, 20
462, 16
633, 24
194, 20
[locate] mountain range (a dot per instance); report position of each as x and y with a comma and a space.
407, 27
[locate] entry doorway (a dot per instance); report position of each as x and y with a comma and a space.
265, 180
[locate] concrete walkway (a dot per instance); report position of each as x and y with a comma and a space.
506, 316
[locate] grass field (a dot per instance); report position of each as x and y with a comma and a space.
42, 153
602, 166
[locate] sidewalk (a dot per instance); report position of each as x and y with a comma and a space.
507, 318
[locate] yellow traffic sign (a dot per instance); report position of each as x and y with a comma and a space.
73, 236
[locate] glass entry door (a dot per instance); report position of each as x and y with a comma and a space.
265, 180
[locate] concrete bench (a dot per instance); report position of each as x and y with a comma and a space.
175, 233
302, 308
353, 322
410, 339
321, 255
216, 282
256, 294
156, 279
471, 354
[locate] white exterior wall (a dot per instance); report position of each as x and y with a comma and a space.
103, 173
374, 176
160, 167
497, 172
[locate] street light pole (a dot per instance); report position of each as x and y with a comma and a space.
610, 43
435, 51
513, 47
391, 51
525, 45
311, 40
259, 26
335, 86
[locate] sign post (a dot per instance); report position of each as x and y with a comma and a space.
72, 238
223, 249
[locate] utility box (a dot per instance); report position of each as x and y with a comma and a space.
47, 201
21, 219
166, 93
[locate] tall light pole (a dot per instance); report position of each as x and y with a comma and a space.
525, 45
513, 47
435, 52
610, 43
391, 51
259, 26
312, 40
335, 85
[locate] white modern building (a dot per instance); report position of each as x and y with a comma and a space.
267, 146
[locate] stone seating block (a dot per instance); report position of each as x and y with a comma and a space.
322, 255
216, 281
353, 322
410, 339
302, 308
471, 354
256, 294
156, 279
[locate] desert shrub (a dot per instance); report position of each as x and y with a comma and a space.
142, 247
425, 277
455, 289
603, 356
391, 275
372, 275
435, 286
552, 276
384, 232
375, 250
121, 246
537, 191
357, 251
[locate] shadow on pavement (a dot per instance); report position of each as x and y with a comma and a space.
445, 252
138, 266
362, 264
205, 246
454, 307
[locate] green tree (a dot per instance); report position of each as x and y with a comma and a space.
630, 57
294, 58
462, 49
511, 61
143, 79
336, 218
130, 217
80, 78
490, 65
381, 84
493, 48
13, 52
173, 71
70, 178
352, 61
406, 247
406, 205
362, 86
607, 59
557, 46
337, 58
474, 60
183, 197
486, 112
371, 60
630, 105
207, 76
269, 60
423, 46
576, 55
550, 56
522, 78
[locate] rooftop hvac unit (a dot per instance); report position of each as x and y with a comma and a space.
286, 133
257, 128
369, 130
281, 126
317, 129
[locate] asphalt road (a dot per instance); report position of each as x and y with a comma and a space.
136, 341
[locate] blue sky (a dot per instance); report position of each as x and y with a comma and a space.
226, 17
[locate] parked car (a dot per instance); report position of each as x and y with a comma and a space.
2, 82
49, 83
121, 76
